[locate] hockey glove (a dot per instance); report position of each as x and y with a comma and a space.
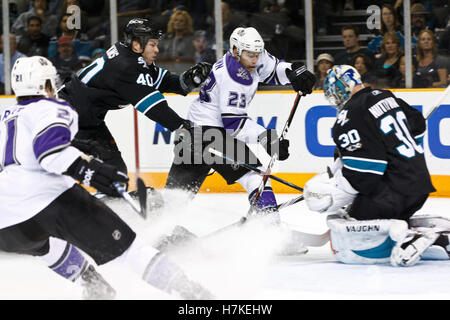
195, 76
93, 148
270, 141
301, 79
328, 194
93, 172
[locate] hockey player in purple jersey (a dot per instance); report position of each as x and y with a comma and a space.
378, 180
40, 200
220, 111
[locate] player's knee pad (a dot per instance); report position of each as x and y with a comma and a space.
364, 242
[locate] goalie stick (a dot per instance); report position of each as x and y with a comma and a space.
438, 102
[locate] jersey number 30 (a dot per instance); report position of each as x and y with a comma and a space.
409, 147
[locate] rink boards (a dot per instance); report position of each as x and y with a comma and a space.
311, 144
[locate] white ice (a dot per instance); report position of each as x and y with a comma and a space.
241, 265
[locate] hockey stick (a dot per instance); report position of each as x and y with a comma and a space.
252, 168
291, 116
289, 202
438, 103
141, 208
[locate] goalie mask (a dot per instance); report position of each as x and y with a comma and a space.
246, 39
339, 84
140, 30
29, 76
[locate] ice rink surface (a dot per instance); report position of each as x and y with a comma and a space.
241, 265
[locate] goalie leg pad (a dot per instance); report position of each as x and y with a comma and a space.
363, 242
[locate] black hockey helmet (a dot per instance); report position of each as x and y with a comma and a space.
141, 30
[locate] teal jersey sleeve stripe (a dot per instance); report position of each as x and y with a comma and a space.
149, 101
162, 73
365, 165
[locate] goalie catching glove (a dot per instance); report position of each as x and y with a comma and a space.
329, 192
93, 172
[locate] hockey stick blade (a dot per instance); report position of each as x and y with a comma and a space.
124, 194
142, 196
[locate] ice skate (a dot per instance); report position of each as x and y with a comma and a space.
95, 286
180, 236
187, 289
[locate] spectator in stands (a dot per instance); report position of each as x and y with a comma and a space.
34, 42
363, 64
14, 56
431, 68
81, 46
386, 66
179, 37
389, 23
418, 19
66, 61
40, 8
203, 53
324, 62
350, 39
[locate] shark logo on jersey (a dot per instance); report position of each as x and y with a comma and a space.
242, 73
342, 117
142, 61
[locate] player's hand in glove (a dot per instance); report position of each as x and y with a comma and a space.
270, 141
93, 172
301, 79
196, 75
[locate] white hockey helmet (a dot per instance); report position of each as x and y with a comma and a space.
246, 39
339, 84
30, 74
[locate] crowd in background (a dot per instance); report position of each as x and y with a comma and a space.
43, 27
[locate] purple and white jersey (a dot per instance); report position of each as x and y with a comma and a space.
34, 150
225, 96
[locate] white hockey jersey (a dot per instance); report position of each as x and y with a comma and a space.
34, 150
225, 96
